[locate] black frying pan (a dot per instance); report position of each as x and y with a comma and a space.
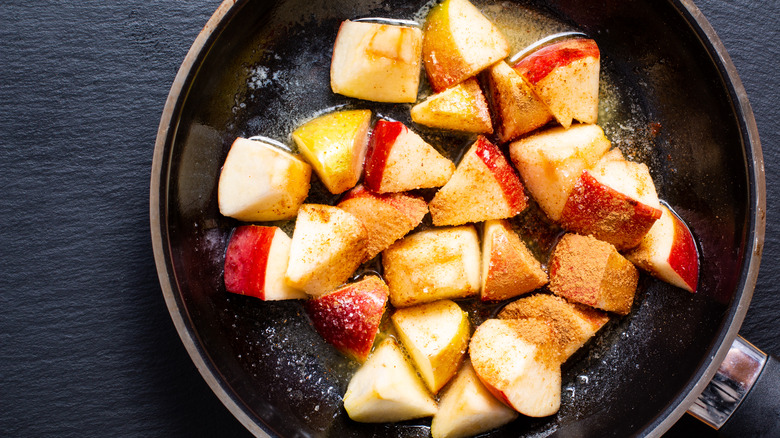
259, 67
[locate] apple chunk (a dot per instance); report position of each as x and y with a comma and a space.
484, 186
467, 408
328, 245
431, 265
462, 107
386, 388
566, 77
335, 145
458, 43
516, 107
379, 62
260, 182
255, 262
515, 361
589, 271
348, 318
387, 217
668, 252
436, 336
508, 267
551, 161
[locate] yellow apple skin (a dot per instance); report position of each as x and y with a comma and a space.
436, 335
335, 145
462, 107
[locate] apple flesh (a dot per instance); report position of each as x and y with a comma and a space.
565, 75
668, 252
387, 217
552, 161
260, 182
484, 186
348, 318
508, 267
589, 271
399, 160
517, 110
431, 265
459, 42
462, 107
335, 145
436, 336
386, 388
255, 263
328, 245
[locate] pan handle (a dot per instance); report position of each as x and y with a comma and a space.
743, 398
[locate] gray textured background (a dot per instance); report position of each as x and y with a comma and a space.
86, 344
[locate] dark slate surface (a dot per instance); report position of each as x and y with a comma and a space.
86, 344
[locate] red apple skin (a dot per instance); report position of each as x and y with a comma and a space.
540, 63
383, 136
683, 257
510, 183
348, 318
606, 214
246, 259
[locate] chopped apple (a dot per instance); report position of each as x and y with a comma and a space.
589, 271
386, 388
436, 336
668, 252
335, 145
572, 324
565, 75
460, 108
379, 62
516, 362
615, 201
484, 186
387, 217
467, 408
328, 245
508, 267
348, 318
458, 43
515, 104
551, 161
260, 182
255, 262
431, 265
399, 160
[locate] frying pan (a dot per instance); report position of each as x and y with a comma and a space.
261, 67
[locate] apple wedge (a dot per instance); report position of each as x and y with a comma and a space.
484, 186
552, 160
467, 408
565, 75
516, 362
260, 182
255, 263
460, 108
335, 145
431, 265
572, 324
374, 61
399, 160
387, 217
327, 246
517, 109
348, 318
615, 201
508, 267
386, 388
668, 252
458, 43
589, 271
436, 336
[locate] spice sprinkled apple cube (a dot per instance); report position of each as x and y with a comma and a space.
508, 267
462, 107
517, 109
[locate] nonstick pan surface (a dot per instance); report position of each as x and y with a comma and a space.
670, 98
